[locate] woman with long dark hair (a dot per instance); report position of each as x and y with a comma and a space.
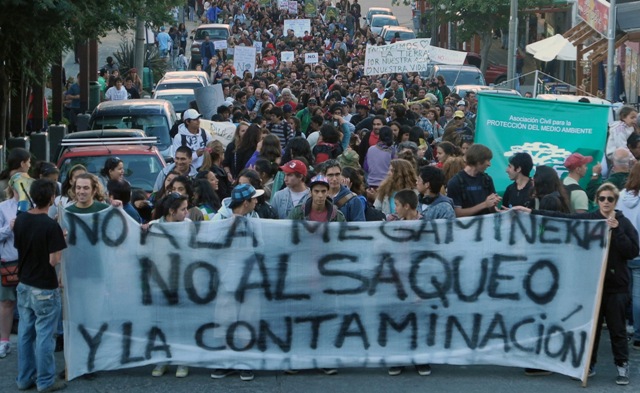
18, 161
113, 169
205, 198
236, 160
548, 192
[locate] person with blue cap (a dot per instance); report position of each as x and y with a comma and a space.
242, 202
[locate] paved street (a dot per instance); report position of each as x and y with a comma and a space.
476, 379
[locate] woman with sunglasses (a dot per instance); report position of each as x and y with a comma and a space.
615, 295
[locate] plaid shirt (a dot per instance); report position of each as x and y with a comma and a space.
424, 123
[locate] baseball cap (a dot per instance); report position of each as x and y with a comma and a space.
576, 160
459, 114
295, 166
312, 101
363, 102
461, 102
243, 192
191, 114
319, 179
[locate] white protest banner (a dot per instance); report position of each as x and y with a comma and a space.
286, 56
407, 56
258, 46
293, 7
244, 59
506, 289
221, 44
299, 26
310, 58
222, 131
283, 4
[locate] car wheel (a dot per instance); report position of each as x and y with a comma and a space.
500, 79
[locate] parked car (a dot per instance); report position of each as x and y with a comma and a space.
142, 160
380, 21
154, 117
180, 98
462, 90
189, 74
495, 73
388, 32
456, 75
376, 11
215, 31
179, 83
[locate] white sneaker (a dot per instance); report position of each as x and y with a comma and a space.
5, 349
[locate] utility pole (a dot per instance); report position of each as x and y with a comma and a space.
611, 51
513, 44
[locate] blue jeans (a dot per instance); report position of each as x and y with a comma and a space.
634, 265
39, 310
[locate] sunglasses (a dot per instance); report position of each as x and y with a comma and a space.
609, 199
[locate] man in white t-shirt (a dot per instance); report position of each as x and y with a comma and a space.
296, 192
117, 92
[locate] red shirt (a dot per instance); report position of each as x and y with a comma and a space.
319, 216
373, 139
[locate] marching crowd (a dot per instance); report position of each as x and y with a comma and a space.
318, 142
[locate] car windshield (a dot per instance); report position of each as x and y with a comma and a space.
380, 21
152, 125
378, 12
180, 101
404, 35
462, 77
214, 34
194, 84
141, 170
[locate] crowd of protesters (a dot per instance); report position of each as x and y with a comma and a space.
324, 142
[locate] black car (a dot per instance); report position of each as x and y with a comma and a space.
154, 117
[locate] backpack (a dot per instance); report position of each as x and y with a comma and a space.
463, 184
203, 134
370, 212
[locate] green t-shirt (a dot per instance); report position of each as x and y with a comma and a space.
94, 208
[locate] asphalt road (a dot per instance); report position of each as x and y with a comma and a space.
477, 379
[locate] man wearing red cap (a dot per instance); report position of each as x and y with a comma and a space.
295, 193
576, 164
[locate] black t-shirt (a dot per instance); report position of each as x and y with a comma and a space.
514, 197
468, 191
37, 236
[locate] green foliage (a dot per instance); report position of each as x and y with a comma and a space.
125, 58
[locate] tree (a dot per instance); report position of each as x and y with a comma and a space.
478, 17
35, 33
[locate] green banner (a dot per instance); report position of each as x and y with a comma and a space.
264, 3
548, 130
331, 12
310, 8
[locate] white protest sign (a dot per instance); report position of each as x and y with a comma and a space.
507, 289
407, 56
299, 26
293, 7
244, 59
258, 46
222, 44
283, 4
310, 58
222, 131
286, 56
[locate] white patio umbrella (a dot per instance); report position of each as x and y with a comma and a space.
556, 47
